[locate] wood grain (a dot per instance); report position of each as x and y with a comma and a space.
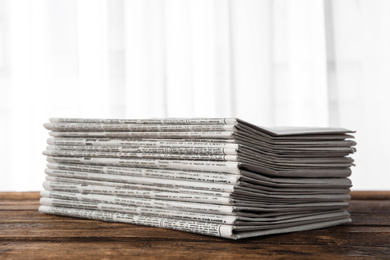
370, 195
25, 233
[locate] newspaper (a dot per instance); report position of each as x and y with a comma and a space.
152, 173
196, 206
197, 146
145, 202
206, 228
215, 176
236, 196
221, 219
240, 193
243, 177
80, 127
166, 121
142, 180
153, 150
300, 170
190, 153
152, 194
213, 218
162, 135
163, 143
168, 188
275, 131
290, 148
258, 195
168, 156
256, 191
207, 166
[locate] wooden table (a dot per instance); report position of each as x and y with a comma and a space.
24, 233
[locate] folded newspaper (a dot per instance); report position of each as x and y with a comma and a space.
214, 176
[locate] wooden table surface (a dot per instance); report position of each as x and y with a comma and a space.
27, 234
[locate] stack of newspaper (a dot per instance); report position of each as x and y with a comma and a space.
215, 176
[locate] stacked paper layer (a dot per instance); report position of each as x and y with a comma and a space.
215, 176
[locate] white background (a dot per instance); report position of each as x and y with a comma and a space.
272, 63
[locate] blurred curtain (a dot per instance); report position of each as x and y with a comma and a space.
280, 62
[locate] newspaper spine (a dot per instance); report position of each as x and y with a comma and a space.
207, 166
151, 173
173, 121
221, 135
138, 186
142, 180
152, 203
221, 219
162, 143
95, 189
140, 149
205, 228
80, 127
79, 153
